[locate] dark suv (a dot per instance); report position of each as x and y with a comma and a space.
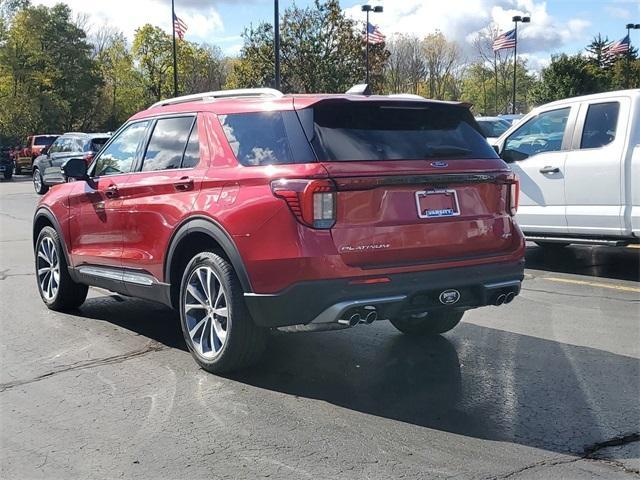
69, 145
6, 162
248, 210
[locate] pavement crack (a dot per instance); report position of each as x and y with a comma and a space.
588, 453
580, 296
98, 362
4, 275
13, 217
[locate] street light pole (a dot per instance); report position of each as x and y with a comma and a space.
276, 42
630, 26
367, 9
175, 55
515, 20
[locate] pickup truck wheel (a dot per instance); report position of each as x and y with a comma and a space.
433, 324
8, 174
57, 289
38, 184
216, 324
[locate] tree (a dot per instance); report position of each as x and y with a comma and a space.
596, 51
405, 68
322, 51
568, 76
443, 65
152, 50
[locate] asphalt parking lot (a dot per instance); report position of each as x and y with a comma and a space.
545, 387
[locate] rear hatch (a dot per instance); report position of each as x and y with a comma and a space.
416, 182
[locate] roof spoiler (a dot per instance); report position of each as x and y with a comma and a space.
240, 92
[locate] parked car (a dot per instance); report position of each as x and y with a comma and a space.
6, 162
511, 118
248, 210
26, 155
493, 127
578, 161
69, 145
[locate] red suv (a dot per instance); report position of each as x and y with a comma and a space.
248, 210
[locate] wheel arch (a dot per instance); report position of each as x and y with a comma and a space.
45, 218
195, 234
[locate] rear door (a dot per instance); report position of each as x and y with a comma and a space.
594, 168
162, 191
416, 182
537, 152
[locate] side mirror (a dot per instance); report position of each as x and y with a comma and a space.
75, 168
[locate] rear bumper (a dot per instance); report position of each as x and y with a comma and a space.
323, 301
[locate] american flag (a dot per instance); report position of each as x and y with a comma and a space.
504, 41
375, 35
621, 46
179, 26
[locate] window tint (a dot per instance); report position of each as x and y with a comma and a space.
56, 146
493, 128
192, 153
118, 157
43, 140
257, 138
167, 144
600, 125
96, 144
345, 131
543, 133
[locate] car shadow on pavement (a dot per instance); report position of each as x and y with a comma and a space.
619, 263
475, 381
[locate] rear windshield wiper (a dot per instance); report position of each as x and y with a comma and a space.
447, 151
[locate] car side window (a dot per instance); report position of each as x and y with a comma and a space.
543, 133
118, 157
167, 144
600, 125
192, 153
55, 147
257, 138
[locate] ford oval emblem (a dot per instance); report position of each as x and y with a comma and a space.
449, 297
439, 164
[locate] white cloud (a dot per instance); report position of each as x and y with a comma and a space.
462, 19
128, 15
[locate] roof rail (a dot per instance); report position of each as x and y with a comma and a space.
240, 92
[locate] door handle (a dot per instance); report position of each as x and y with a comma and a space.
184, 184
111, 191
550, 169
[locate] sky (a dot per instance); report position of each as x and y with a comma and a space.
556, 25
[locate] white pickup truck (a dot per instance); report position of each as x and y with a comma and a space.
578, 161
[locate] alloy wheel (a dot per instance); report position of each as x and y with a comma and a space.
206, 312
37, 181
48, 268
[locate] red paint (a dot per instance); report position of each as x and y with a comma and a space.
377, 231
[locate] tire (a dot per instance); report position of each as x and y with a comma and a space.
65, 294
433, 324
8, 175
18, 170
218, 343
38, 184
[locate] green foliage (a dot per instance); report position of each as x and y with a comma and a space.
321, 50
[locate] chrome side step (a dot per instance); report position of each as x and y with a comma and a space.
118, 275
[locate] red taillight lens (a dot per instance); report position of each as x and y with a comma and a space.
313, 202
514, 194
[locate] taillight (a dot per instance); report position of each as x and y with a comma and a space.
313, 202
513, 185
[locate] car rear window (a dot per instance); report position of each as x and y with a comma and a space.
364, 131
493, 128
44, 140
96, 144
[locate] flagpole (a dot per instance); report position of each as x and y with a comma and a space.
276, 42
495, 68
626, 80
515, 64
175, 55
367, 30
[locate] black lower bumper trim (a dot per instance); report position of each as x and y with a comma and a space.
303, 302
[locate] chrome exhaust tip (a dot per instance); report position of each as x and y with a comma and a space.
371, 317
500, 299
509, 298
352, 321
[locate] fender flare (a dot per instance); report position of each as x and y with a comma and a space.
44, 212
214, 230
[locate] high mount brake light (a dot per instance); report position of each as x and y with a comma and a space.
313, 202
513, 184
